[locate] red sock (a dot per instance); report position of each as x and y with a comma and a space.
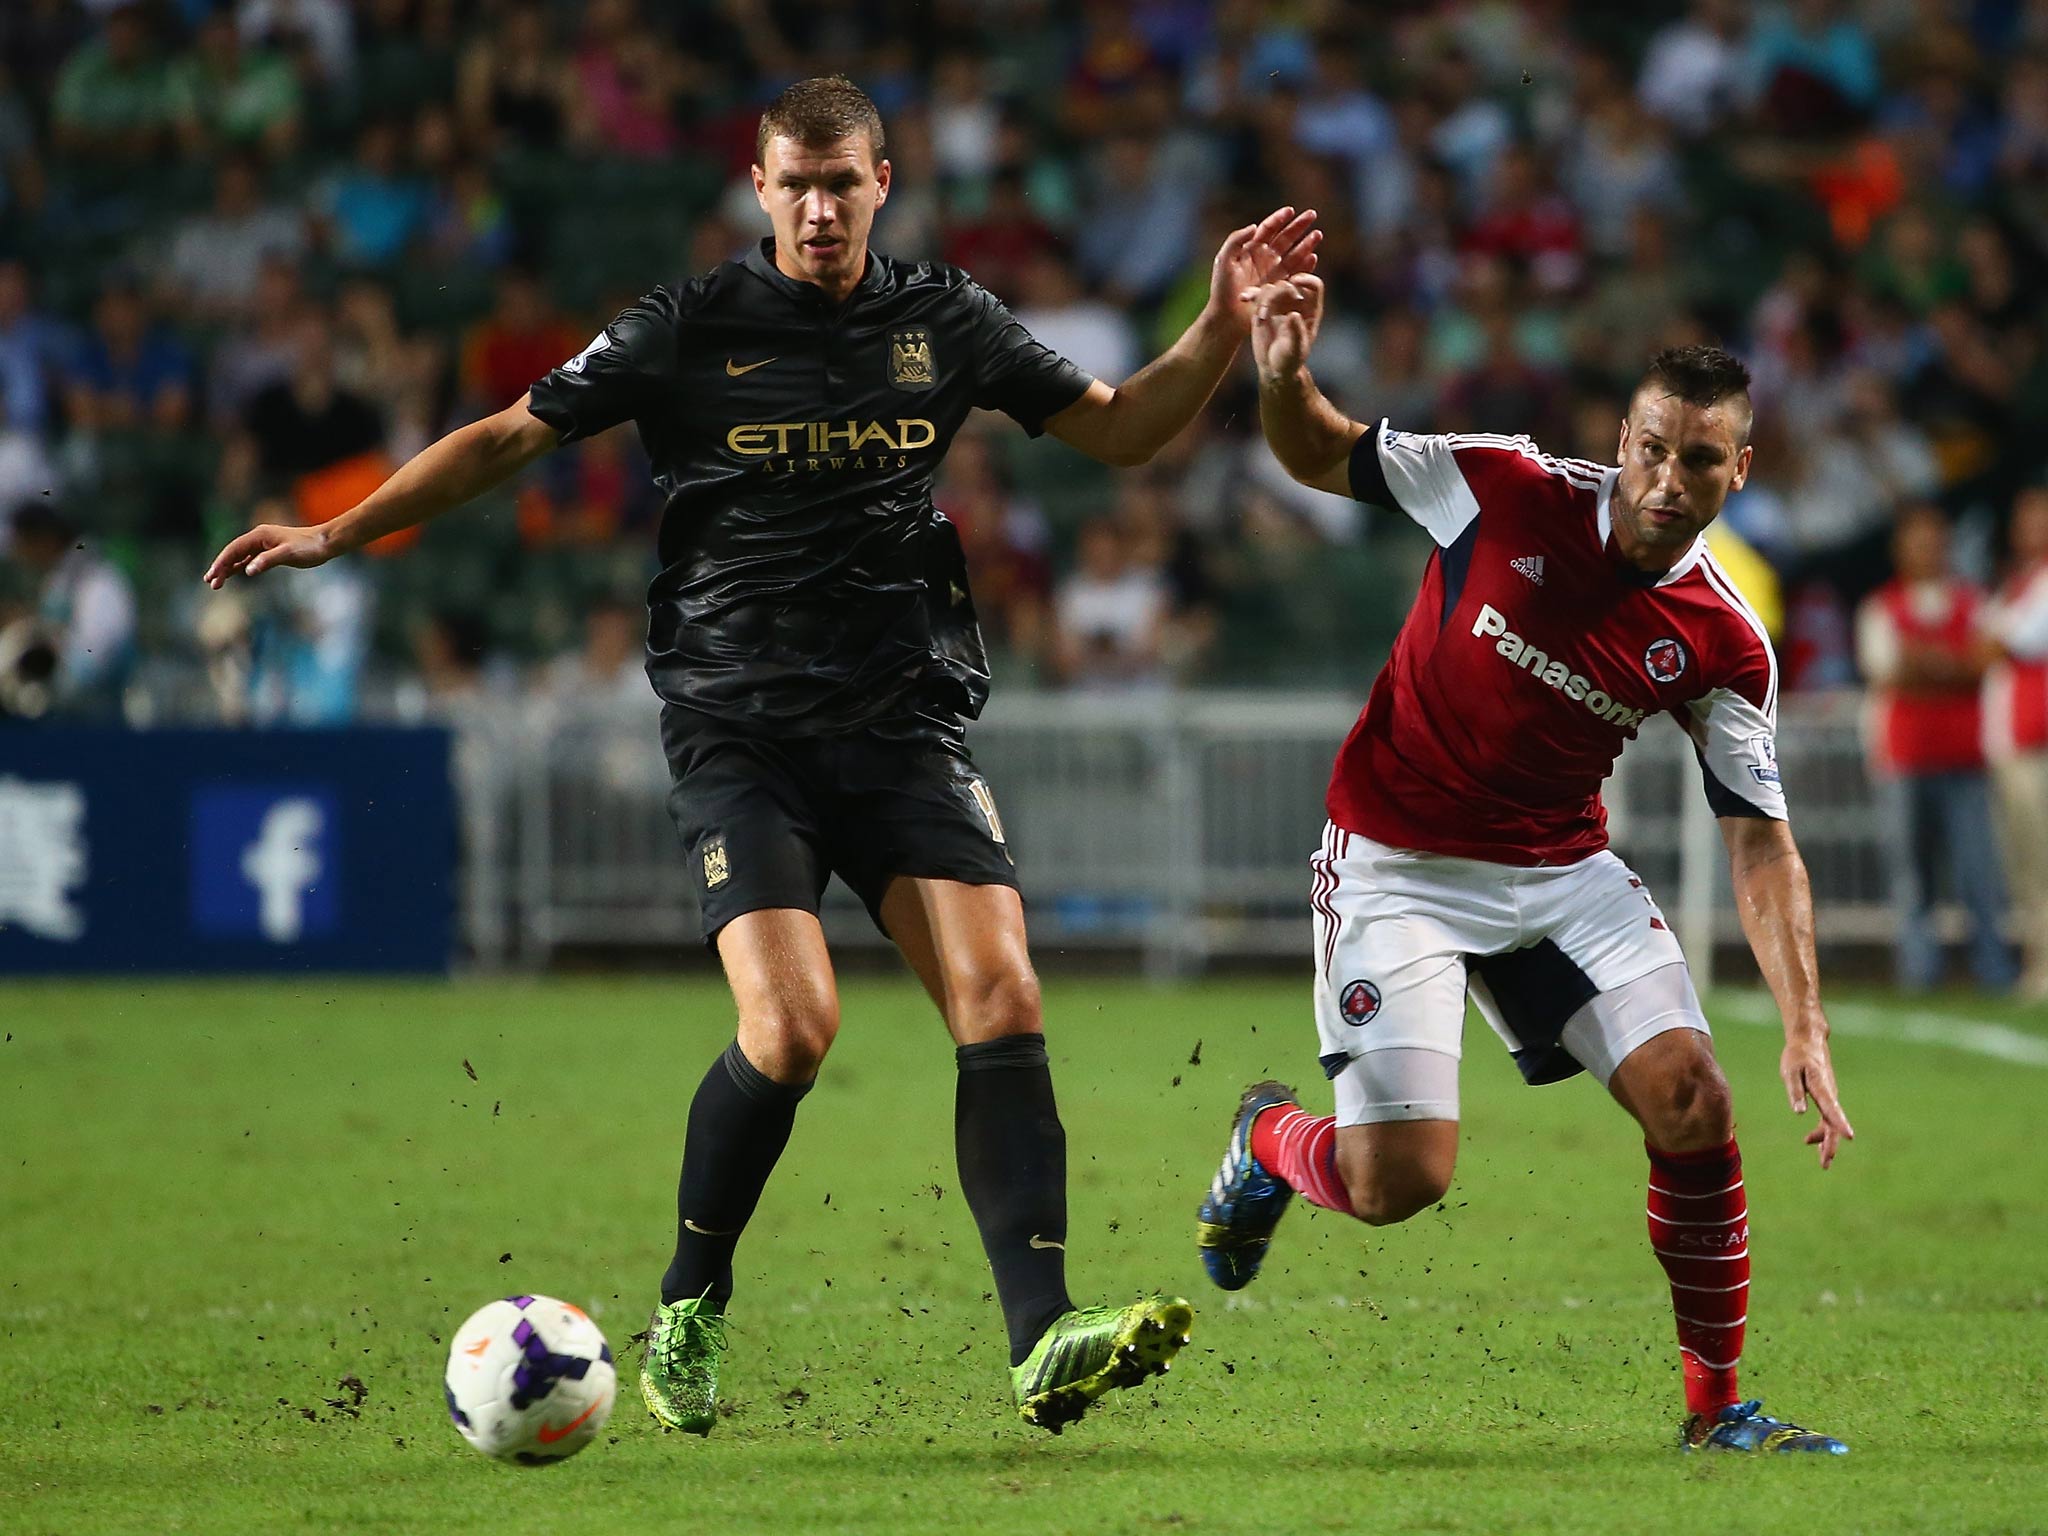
1302, 1149
1699, 1230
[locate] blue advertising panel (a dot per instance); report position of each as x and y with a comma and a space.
225, 850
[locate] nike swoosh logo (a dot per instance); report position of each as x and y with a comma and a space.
707, 1232
1039, 1242
548, 1436
478, 1348
734, 370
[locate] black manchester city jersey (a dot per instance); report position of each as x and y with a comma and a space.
807, 583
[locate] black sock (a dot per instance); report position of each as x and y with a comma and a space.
739, 1124
1013, 1170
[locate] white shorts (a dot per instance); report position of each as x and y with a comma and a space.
1550, 953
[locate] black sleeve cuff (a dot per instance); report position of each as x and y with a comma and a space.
1043, 409
544, 405
1368, 479
1723, 800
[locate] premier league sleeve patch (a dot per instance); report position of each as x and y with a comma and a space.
1763, 764
581, 360
1359, 1002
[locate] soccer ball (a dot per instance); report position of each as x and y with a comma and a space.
530, 1379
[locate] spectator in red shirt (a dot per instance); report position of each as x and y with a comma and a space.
1528, 222
998, 243
626, 84
518, 342
1919, 641
1004, 541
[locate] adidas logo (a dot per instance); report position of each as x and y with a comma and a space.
1530, 566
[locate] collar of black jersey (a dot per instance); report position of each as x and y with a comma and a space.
761, 262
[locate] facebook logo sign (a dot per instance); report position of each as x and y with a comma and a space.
265, 862
247, 851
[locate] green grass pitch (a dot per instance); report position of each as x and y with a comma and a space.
238, 1221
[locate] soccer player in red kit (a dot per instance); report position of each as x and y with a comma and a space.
1567, 602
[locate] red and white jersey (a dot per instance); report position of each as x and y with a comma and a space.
2016, 687
1933, 727
1533, 654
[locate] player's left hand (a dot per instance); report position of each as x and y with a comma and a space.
1279, 246
1810, 1075
1285, 318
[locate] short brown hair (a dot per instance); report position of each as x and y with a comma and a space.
1701, 375
819, 111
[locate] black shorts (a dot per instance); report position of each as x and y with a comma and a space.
766, 823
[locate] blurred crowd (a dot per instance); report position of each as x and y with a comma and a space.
253, 253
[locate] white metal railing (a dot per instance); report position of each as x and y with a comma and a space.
1177, 826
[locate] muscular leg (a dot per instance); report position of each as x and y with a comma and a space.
1392, 1146
1698, 1213
740, 1120
1381, 1171
1396, 1169
782, 984
966, 943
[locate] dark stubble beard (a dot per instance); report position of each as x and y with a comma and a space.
1653, 538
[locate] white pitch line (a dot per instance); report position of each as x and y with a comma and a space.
1917, 1026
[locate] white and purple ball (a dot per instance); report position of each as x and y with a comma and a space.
530, 1379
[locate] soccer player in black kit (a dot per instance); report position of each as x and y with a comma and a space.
816, 653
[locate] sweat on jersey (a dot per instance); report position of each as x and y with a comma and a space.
807, 583
1533, 654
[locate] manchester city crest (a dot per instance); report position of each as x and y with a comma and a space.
1665, 661
717, 864
910, 358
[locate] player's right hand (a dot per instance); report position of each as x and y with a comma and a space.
1285, 318
266, 545
1809, 1076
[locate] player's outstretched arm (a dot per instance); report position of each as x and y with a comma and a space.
1776, 902
1128, 424
1310, 437
443, 475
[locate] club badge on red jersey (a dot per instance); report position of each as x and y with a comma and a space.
1665, 660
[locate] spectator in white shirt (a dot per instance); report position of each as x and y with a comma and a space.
217, 257
1693, 72
325, 26
85, 604
26, 471
2016, 729
1093, 334
611, 666
1109, 616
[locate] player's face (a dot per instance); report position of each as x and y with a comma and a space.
822, 200
1679, 462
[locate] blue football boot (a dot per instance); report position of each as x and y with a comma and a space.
1245, 1203
1746, 1427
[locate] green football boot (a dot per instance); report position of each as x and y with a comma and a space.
679, 1377
1095, 1350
